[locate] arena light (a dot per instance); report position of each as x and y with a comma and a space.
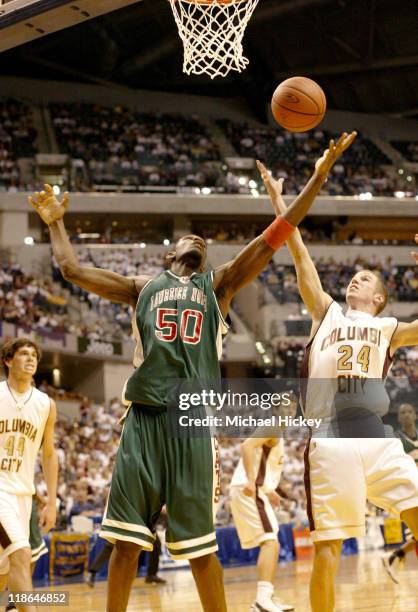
56, 377
166, 242
142, 245
255, 193
252, 184
260, 348
56, 189
365, 195
399, 194
29, 241
242, 180
401, 170
206, 190
266, 359
90, 235
197, 191
409, 179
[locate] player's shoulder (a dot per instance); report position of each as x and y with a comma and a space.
206, 275
389, 320
43, 397
333, 312
3, 388
335, 307
142, 281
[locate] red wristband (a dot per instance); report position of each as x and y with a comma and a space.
277, 233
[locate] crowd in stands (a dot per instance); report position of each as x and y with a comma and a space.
292, 157
403, 376
408, 149
238, 232
17, 139
401, 281
124, 147
31, 301
233, 232
118, 316
36, 304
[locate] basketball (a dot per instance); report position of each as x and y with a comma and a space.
298, 104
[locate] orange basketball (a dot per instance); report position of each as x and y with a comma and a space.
298, 104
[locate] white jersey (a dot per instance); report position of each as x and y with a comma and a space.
22, 428
268, 467
347, 347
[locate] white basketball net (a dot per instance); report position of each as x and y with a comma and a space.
212, 35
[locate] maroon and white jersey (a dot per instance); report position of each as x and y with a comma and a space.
346, 348
268, 467
22, 426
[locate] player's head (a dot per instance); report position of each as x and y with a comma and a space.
20, 357
189, 250
290, 408
407, 415
366, 289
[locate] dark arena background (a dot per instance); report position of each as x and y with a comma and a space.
93, 101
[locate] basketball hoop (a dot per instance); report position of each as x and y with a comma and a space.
212, 33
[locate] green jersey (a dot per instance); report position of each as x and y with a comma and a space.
178, 329
410, 445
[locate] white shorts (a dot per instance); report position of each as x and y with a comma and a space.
15, 511
342, 473
254, 519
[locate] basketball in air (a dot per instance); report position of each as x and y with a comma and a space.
298, 104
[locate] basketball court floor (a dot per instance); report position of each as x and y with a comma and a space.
362, 585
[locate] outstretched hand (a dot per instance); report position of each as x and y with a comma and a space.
47, 206
334, 151
274, 188
414, 253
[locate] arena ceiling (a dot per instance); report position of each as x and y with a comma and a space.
363, 52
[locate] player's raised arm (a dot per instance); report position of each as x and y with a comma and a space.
309, 283
406, 334
247, 265
105, 283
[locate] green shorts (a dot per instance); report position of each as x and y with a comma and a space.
153, 469
36, 540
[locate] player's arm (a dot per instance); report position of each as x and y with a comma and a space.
40, 499
105, 283
248, 448
247, 265
49, 462
406, 334
309, 283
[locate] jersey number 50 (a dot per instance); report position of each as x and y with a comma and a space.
167, 325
